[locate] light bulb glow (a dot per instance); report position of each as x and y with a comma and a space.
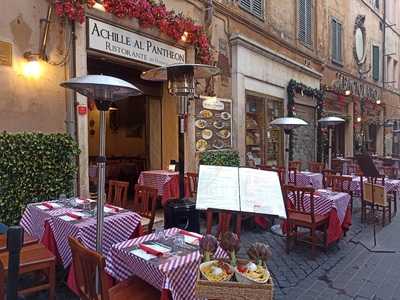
358, 119
32, 69
185, 36
378, 101
347, 92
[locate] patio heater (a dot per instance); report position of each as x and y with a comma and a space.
104, 90
287, 124
181, 80
330, 122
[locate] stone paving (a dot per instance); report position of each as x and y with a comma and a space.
348, 270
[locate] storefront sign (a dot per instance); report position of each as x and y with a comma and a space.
357, 87
120, 42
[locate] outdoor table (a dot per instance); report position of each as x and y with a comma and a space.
309, 179
336, 205
176, 275
49, 226
345, 163
166, 183
391, 185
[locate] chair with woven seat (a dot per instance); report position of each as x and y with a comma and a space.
118, 193
35, 258
88, 263
315, 167
297, 199
295, 164
144, 203
193, 179
342, 184
292, 175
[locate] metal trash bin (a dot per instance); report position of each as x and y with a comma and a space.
182, 214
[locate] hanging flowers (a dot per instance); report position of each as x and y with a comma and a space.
149, 14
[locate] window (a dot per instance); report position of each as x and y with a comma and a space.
305, 22
255, 7
376, 4
336, 41
395, 74
375, 63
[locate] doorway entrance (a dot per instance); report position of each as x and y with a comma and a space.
133, 126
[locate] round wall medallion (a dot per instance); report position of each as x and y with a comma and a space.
360, 40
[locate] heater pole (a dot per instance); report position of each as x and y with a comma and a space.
101, 166
330, 148
287, 132
181, 144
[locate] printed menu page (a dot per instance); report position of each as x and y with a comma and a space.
218, 188
260, 192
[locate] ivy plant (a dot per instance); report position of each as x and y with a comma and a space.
34, 167
227, 158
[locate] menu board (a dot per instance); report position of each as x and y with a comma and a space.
213, 123
240, 189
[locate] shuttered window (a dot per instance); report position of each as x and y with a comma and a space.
255, 7
375, 63
336, 41
305, 22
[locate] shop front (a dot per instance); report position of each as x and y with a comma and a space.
260, 77
142, 131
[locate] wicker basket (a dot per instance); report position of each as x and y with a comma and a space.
232, 290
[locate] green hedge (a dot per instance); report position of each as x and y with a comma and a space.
227, 158
34, 167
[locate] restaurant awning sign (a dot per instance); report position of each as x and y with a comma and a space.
114, 40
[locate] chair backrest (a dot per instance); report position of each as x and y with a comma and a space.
145, 202
292, 175
390, 172
326, 178
118, 193
295, 164
2, 282
265, 167
86, 264
299, 200
353, 169
341, 183
337, 166
193, 181
315, 167
379, 196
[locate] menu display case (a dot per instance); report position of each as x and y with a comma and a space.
264, 144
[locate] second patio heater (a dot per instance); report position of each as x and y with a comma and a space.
330, 122
104, 90
287, 124
181, 80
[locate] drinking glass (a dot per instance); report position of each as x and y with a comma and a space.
62, 198
179, 242
159, 234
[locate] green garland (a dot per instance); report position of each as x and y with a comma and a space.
300, 88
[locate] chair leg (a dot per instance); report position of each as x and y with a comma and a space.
313, 243
238, 223
390, 212
52, 280
326, 237
209, 221
383, 215
362, 211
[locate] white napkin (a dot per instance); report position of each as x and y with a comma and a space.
142, 254
42, 207
67, 218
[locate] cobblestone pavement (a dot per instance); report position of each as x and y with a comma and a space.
348, 270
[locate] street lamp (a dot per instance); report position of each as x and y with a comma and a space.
287, 124
104, 90
330, 122
181, 80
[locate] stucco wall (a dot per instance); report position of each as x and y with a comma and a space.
28, 104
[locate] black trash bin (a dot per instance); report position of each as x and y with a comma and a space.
182, 214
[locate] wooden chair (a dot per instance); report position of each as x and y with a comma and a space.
342, 184
315, 167
35, 258
87, 263
265, 167
193, 181
224, 221
118, 193
326, 178
379, 197
28, 240
354, 169
144, 203
337, 166
390, 172
299, 216
295, 164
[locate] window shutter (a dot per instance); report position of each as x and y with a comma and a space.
339, 41
375, 63
246, 5
255, 7
334, 44
305, 21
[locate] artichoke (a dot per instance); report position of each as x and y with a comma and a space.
260, 253
208, 245
231, 244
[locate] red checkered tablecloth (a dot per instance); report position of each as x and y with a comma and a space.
156, 179
177, 274
118, 227
309, 179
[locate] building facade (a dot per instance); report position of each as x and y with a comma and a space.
305, 58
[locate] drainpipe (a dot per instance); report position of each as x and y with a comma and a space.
384, 71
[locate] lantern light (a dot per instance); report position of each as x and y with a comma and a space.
358, 119
347, 92
378, 101
32, 66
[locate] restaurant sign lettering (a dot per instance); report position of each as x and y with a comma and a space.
117, 41
357, 87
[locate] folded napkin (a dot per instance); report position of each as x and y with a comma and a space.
75, 216
191, 234
191, 237
154, 249
113, 208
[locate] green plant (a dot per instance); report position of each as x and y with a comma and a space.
34, 167
227, 158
